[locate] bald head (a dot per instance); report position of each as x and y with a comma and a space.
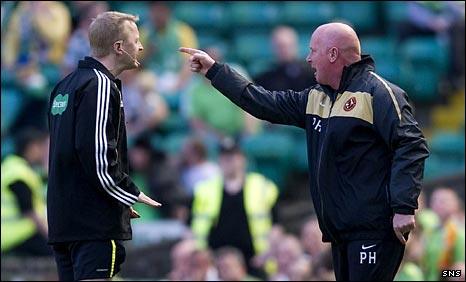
341, 36
332, 47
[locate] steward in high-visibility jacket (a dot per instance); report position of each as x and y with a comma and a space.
17, 228
259, 197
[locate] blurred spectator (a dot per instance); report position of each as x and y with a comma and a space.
195, 167
266, 260
289, 71
202, 268
323, 267
301, 270
78, 44
231, 265
156, 174
24, 225
311, 239
144, 107
289, 252
314, 249
212, 115
444, 19
235, 209
181, 255
33, 46
427, 220
445, 246
36, 34
164, 36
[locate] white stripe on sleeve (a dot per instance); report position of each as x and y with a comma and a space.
99, 141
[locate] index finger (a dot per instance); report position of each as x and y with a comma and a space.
187, 50
154, 203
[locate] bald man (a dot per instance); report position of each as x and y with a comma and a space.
365, 149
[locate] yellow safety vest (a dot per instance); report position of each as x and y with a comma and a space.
260, 195
16, 228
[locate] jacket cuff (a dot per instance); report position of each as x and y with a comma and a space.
213, 70
404, 211
134, 190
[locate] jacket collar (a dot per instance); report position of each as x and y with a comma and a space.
349, 72
92, 63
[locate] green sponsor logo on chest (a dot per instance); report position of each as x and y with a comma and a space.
59, 104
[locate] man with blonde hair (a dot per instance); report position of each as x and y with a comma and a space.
90, 194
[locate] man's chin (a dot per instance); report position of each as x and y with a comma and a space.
132, 66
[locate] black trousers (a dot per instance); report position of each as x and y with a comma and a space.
88, 259
367, 260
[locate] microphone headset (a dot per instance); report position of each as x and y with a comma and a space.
132, 58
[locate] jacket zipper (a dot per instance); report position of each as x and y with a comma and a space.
318, 176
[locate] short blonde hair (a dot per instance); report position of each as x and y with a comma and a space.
107, 28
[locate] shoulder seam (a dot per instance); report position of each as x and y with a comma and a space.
390, 91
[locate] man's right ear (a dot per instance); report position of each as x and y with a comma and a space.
333, 54
118, 47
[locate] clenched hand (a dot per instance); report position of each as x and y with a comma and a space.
403, 223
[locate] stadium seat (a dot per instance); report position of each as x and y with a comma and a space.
307, 13
382, 50
448, 118
394, 13
174, 123
449, 145
425, 50
272, 153
436, 166
51, 73
11, 107
304, 37
447, 155
8, 145
362, 15
140, 8
208, 39
202, 14
298, 159
250, 46
8, 78
172, 143
379, 47
423, 63
253, 14
257, 67
421, 83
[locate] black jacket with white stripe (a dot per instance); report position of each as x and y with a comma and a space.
365, 149
89, 190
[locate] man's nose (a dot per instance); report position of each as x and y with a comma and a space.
308, 58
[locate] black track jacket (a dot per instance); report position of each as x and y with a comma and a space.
89, 190
365, 150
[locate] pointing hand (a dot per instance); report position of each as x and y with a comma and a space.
200, 60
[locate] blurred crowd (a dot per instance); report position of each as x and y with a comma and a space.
186, 147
